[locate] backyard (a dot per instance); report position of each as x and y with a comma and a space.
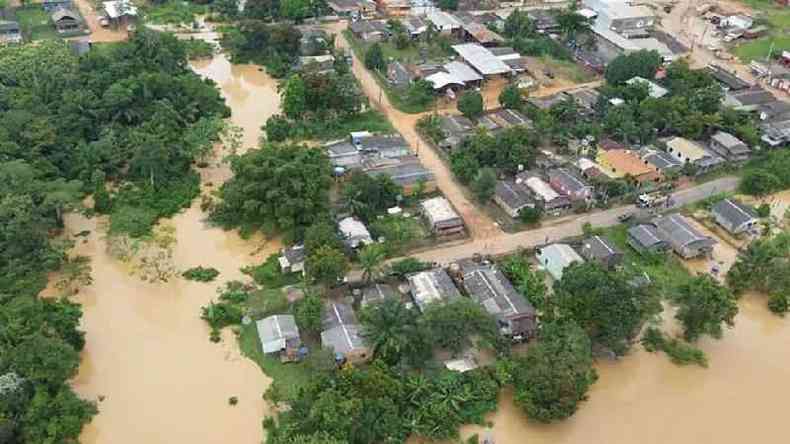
778, 39
35, 23
174, 12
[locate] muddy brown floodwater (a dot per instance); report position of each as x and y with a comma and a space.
148, 353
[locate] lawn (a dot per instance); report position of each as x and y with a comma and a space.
289, 377
395, 97
666, 271
174, 12
36, 23
568, 70
778, 19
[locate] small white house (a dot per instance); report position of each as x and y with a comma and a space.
355, 233
555, 258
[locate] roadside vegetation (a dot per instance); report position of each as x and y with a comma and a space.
765, 267
69, 127
777, 19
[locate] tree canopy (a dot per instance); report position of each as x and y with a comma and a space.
604, 304
471, 104
641, 63
277, 188
703, 306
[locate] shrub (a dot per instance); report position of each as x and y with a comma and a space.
679, 352
201, 274
406, 266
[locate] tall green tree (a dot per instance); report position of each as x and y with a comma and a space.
640, 63
471, 104
371, 259
326, 265
604, 304
510, 97
280, 188
484, 184
374, 57
395, 334
553, 378
704, 306
294, 98
453, 325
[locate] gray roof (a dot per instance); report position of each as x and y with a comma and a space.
376, 293
662, 160
398, 74
295, 254
676, 230
481, 59
751, 96
735, 212
732, 81
511, 117
456, 125
775, 109
64, 13
6, 26
366, 26
514, 195
487, 285
432, 286
729, 141
646, 235
403, 173
568, 180
383, 143
601, 248
336, 313
278, 332
502, 50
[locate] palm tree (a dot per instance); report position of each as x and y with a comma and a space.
393, 333
371, 258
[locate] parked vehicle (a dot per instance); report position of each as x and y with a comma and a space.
651, 200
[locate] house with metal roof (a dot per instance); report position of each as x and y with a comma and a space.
729, 81
414, 25
729, 147
66, 20
444, 22
405, 171
684, 239
570, 185
441, 216
736, 217
292, 259
397, 75
479, 33
622, 163
507, 118
354, 233
369, 30
662, 161
279, 334
376, 293
747, 99
513, 197
343, 334
345, 8
432, 287
644, 238
776, 132
688, 151
549, 199
621, 16
602, 250
481, 59
455, 129
555, 258
489, 287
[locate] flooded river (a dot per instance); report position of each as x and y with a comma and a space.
148, 354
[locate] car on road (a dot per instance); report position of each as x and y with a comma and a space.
625, 217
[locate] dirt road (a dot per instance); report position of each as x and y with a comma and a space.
480, 225
99, 34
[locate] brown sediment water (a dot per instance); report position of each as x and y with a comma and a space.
148, 353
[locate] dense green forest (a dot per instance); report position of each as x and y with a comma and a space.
124, 122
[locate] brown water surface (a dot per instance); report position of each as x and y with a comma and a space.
148, 353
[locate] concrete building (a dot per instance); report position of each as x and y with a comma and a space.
621, 16
376, 293
352, 8
444, 22
654, 90
620, 163
482, 60
489, 287
569, 185
555, 258
734, 216
549, 199
432, 287
690, 152
729, 147
441, 216
292, 259
684, 239
662, 161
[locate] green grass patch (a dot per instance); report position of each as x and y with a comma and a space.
778, 19
36, 23
174, 12
568, 69
288, 377
666, 271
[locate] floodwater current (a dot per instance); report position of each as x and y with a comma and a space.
148, 354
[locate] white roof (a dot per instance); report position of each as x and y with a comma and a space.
481, 59
352, 228
688, 148
542, 189
584, 163
655, 90
438, 209
632, 44
462, 71
442, 20
118, 8
587, 13
460, 365
556, 257
441, 79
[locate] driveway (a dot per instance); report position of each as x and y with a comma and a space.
99, 34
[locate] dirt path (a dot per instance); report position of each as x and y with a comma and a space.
479, 224
99, 34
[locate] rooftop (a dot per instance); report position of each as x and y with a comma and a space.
599, 248
734, 211
277, 332
541, 189
654, 89
728, 141
692, 150
627, 162
677, 230
432, 286
438, 209
568, 180
646, 235
662, 160
119, 8
481, 59
514, 195
487, 285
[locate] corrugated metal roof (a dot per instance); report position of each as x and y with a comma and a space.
481, 59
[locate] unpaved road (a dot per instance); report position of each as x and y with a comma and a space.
99, 34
